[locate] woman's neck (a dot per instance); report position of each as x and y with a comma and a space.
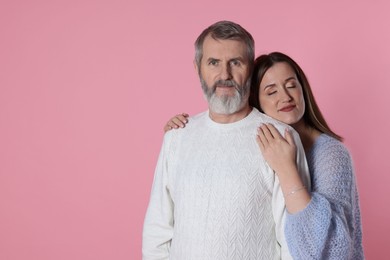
307, 134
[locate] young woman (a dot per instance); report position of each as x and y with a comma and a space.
323, 223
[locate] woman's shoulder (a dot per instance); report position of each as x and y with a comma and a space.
328, 150
330, 164
326, 143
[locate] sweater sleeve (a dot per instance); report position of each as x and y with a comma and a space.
158, 224
323, 229
279, 207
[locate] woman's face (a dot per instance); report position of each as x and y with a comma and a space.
280, 94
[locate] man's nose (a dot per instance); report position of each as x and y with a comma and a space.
226, 72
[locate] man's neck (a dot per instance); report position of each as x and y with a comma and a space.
230, 118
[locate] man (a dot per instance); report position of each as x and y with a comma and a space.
213, 195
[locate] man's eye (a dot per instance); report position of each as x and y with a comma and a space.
236, 63
213, 62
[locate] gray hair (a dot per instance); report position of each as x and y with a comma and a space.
226, 30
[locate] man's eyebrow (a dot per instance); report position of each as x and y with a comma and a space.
242, 59
212, 59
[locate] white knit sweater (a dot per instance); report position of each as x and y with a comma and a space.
214, 196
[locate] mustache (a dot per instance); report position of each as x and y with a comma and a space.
227, 83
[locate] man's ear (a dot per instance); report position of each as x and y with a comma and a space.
196, 66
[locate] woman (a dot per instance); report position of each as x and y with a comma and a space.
325, 222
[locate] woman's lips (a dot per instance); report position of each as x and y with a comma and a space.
287, 108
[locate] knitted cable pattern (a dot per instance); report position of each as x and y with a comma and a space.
214, 197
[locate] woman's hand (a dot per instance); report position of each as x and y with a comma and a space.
177, 121
278, 151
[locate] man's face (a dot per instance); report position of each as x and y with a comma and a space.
225, 75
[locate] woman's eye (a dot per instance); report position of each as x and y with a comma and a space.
291, 86
271, 93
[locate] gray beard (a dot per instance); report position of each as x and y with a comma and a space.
226, 104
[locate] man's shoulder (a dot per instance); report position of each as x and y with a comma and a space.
261, 118
194, 122
198, 117
194, 127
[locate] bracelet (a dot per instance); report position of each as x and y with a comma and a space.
295, 190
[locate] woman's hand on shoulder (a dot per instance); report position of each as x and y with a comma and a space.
179, 120
278, 151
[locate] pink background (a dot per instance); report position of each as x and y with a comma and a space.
86, 87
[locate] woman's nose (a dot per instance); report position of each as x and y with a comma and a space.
285, 95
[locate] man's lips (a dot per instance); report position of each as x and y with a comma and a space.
287, 108
224, 89
224, 86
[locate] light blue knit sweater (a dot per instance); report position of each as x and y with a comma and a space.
330, 226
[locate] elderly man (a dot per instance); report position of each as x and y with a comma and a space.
213, 195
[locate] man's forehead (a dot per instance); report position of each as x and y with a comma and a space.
212, 48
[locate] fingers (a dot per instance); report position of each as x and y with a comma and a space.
168, 126
177, 121
181, 119
264, 136
288, 136
260, 139
274, 132
268, 131
267, 134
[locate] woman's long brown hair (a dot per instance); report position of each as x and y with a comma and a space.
312, 116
